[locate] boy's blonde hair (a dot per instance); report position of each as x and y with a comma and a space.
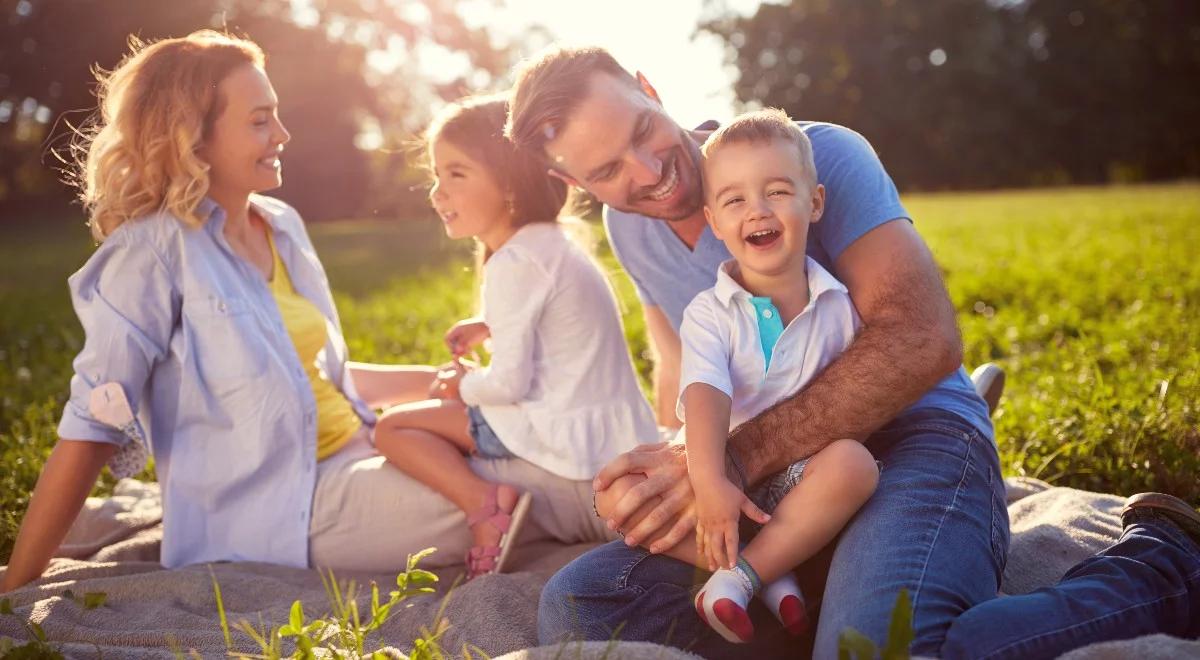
762, 127
139, 154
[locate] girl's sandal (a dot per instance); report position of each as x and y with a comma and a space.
489, 559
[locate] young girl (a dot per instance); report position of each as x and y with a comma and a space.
560, 391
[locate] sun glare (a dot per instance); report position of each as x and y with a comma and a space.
656, 38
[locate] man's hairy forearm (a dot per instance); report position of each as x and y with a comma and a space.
887, 367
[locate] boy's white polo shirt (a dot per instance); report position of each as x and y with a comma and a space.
722, 345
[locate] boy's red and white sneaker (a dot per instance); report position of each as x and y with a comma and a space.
785, 601
724, 614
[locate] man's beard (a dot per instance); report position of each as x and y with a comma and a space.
689, 156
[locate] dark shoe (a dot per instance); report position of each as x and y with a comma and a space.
1168, 506
988, 379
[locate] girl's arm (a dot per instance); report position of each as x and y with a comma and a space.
514, 294
465, 335
61, 489
385, 385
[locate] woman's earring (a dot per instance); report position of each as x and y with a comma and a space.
512, 208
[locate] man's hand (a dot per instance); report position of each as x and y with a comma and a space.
666, 482
665, 467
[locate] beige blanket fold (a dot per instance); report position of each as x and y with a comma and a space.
150, 612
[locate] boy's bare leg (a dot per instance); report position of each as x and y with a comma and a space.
837, 481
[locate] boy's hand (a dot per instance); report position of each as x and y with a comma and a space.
719, 505
465, 335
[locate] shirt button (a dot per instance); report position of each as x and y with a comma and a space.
767, 314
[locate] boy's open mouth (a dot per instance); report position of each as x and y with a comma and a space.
763, 238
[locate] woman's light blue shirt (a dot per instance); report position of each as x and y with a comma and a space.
192, 334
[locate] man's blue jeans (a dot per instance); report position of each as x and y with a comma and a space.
936, 526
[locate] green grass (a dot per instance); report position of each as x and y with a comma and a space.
1086, 296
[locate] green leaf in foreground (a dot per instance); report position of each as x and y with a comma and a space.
900, 633
342, 633
853, 645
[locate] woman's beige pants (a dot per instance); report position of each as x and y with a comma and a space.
369, 516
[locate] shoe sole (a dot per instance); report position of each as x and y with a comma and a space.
988, 380
509, 541
1184, 516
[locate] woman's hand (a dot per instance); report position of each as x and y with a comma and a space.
466, 335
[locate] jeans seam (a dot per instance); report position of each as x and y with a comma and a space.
623, 575
934, 427
999, 549
1050, 633
916, 599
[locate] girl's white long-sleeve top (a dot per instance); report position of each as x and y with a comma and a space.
560, 391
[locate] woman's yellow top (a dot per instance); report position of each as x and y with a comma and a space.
336, 419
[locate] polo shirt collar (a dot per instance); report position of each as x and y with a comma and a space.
820, 281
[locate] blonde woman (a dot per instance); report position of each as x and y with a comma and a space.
212, 340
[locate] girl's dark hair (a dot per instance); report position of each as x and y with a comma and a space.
475, 125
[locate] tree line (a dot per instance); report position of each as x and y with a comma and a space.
960, 94
954, 94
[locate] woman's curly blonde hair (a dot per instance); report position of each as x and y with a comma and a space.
138, 155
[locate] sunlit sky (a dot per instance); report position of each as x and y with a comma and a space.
656, 37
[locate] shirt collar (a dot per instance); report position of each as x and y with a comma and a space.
820, 281
727, 287
214, 216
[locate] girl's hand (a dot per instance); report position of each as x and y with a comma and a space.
465, 335
445, 385
719, 505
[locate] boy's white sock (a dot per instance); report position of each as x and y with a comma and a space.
722, 601
786, 602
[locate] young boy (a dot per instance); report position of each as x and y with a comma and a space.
773, 321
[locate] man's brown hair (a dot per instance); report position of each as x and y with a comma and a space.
548, 88
762, 127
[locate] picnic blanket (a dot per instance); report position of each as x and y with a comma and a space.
149, 612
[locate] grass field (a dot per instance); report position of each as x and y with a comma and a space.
1089, 297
